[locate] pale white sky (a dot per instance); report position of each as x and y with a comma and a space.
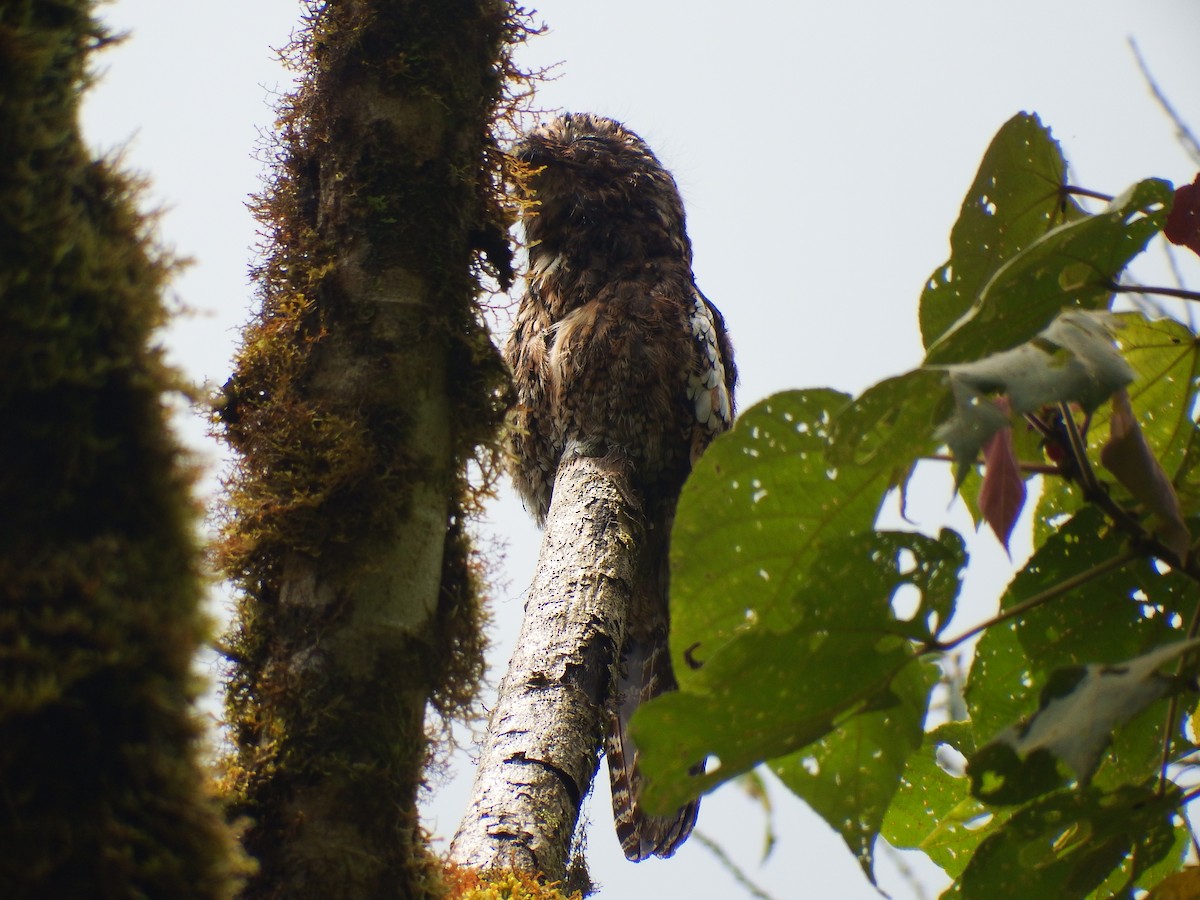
822, 150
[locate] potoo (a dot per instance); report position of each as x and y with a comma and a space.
616, 353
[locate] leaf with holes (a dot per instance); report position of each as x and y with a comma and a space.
1072, 267
834, 648
1065, 845
850, 776
753, 516
1081, 707
933, 810
1073, 360
1118, 613
1016, 198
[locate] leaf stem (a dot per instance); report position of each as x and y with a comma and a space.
1036, 600
1084, 192
1172, 711
1033, 468
1078, 445
1181, 293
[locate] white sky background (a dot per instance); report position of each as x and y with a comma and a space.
822, 150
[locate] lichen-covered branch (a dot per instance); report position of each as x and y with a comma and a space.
540, 753
101, 789
362, 390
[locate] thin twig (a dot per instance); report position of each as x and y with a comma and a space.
1173, 709
730, 866
1032, 468
226, 651
1190, 144
1177, 274
1037, 600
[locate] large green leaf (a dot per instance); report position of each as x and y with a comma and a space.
933, 810
855, 583
753, 514
1071, 267
767, 695
1166, 357
851, 775
892, 424
1066, 844
1016, 198
809, 661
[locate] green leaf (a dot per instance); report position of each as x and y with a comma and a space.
1065, 845
753, 515
1016, 198
1081, 707
1071, 267
891, 424
1165, 358
838, 631
1114, 616
871, 574
933, 810
767, 695
850, 776
1072, 360
1097, 623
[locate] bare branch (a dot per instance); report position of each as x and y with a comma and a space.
1183, 133
540, 753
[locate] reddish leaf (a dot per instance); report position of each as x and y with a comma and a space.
1183, 221
1130, 459
1002, 494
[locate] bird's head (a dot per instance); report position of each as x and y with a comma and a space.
591, 172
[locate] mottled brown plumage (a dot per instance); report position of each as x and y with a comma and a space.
615, 352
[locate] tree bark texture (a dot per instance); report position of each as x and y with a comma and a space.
543, 737
361, 392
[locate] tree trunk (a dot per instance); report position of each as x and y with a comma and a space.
362, 391
541, 749
101, 793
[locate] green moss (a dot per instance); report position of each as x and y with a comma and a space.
99, 593
467, 884
386, 163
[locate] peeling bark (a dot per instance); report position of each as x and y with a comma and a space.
541, 749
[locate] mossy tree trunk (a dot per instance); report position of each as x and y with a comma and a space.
101, 793
363, 388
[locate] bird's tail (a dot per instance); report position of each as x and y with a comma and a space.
644, 672
641, 835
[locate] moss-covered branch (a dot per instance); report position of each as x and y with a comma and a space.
102, 794
363, 389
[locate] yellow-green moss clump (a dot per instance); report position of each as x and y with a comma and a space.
99, 595
467, 884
